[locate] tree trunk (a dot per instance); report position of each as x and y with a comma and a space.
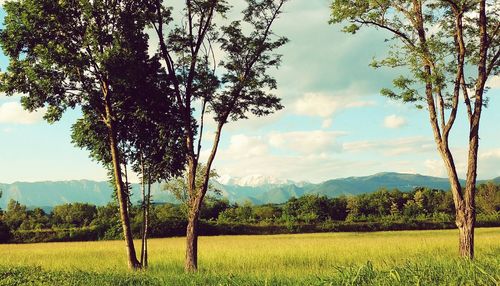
146, 224
133, 263
196, 195
143, 192
465, 222
466, 212
191, 263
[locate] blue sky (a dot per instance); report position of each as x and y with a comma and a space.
335, 123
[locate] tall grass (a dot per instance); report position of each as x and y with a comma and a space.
381, 258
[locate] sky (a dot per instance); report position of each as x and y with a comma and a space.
335, 122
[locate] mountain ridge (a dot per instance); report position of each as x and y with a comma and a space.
271, 190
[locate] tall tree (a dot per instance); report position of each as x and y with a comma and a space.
148, 136
450, 48
65, 54
231, 89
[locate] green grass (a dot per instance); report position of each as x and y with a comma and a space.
380, 258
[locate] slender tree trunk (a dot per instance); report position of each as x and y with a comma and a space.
465, 208
466, 215
191, 259
126, 186
146, 223
143, 192
191, 263
123, 202
133, 263
197, 193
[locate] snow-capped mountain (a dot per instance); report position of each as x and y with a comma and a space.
253, 181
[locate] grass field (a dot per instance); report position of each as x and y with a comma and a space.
380, 258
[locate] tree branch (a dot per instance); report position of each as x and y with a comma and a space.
398, 33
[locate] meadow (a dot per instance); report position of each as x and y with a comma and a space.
378, 258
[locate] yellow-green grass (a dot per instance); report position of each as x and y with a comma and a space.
285, 258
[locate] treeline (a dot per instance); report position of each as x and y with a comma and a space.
384, 209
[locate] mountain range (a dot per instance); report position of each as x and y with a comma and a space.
257, 189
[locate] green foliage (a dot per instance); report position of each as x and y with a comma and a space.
57, 235
178, 186
308, 208
439, 50
107, 222
488, 198
238, 82
15, 215
82, 44
267, 213
91, 56
77, 214
212, 207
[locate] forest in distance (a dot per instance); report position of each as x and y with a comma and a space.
385, 209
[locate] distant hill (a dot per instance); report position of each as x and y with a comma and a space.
359, 185
50, 194
257, 189
278, 193
496, 180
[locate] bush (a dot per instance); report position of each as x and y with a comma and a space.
55, 235
4, 232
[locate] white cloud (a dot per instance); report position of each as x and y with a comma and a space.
435, 167
297, 167
392, 147
323, 105
13, 113
243, 146
487, 163
394, 121
494, 82
327, 123
493, 153
254, 122
307, 142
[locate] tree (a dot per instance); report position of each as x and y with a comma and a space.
65, 54
231, 89
488, 198
147, 136
267, 213
75, 215
4, 229
15, 214
108, 222
308, 208
450, 48
338, 210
